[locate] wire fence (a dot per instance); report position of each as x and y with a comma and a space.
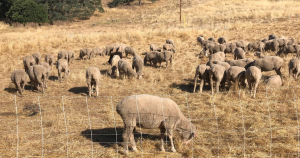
230, 124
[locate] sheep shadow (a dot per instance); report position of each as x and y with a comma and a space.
53, 78
79, 90
108, 137
189, 87
104, 72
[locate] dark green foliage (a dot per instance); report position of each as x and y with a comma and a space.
4, 7
24, 11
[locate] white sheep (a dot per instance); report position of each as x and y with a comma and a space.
217, 73
126, 68
62, 66
138, 64
49, 59
28, 61
294, 68
114, 65
37, 57
253, 76
202, 72
19, 78
93, 79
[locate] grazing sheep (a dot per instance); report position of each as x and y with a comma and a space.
138, 64
236, 74
93, 79
109, 48
86, 52
125, 67
169, 47
114, 65
97, 51
222, 40
71, 56
225, 64
273, 81
272, 36
169, 41
19, 78
252, 46
37, 57
229, 48
272, 45
28, 61
297, 49
201, 40
264, 40
219, 56
63, 55
211, 48
202, 72
241, 62
62, 66
49, 59
33, 81
281, 42
217, 73
241, 44
289, 49
151, 112
48, 71
294, 68
269, 63
259, 54
131, 51
154, 47
165, 56
211, 39
239, 53
40, 74
151, 57
253, 76
112, 55
119, 48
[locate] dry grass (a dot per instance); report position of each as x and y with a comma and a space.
255, 124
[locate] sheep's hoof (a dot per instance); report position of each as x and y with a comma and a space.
173, 150
162, 149
134, 149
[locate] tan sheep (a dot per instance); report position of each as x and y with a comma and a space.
40, 74
114, 65
273, 81
219, 56
126, 68
225, 64
170, 41
239, 53
151, 57
131, 51
62, 66
93, 79
202, 72
108, 49
37, 57
154, 47
48, 70
85, 52
152, 112
241, 62
49, 59
169, 47
19, 78
294, 68
28, 61
63, 55
138, 64
236, 74
165, 56
71, 56
253, 76
217, 73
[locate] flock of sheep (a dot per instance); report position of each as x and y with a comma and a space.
242, 70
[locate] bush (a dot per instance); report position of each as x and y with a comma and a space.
25, 11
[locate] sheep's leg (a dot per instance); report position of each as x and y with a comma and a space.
291, 72
162, 135
279, 73
133, 145
126, 134
90, 88
195, 84
171, 62
229, 84
250, 88
255, 86
172, 144
59, 76
201, 85
40, 83
19, 88
296, 75
217, 86
166, 64
97, 88
23, 85
211, 84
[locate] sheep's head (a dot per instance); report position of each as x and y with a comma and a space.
204, 52
187, 130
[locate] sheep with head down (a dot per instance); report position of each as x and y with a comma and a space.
294, 68
125, 68
217, 73
222, 40
93, 79
151, 57
201, 40
63, 55
138, 64
28, 61
114, 66
253, 76
165, 56
109, 48
229, 47
62, 66
154, 47
170, 41
152, 112
49, 59
236, 74
241, 62
37, 57
131, 51
202, 72
19, 78
239, 53
71, 56
169, 47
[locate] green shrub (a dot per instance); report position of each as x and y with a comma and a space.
25, 11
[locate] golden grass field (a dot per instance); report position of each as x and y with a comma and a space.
229, 124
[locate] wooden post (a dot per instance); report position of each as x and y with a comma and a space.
180, 11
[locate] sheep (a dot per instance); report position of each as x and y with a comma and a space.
222, 40
109, 48
273, 81
28, 61
19, 78
33, 81
219, 56
201, 40
225, 64
272, 45
151, 57
217, 73
114, 66
241, 44
165, 56
236, 74
138, 64
49, 59
98, 51
255, 46
71, 56
48, 71
169, 41
229, 47
259, 54
63, 55
37, 57
202, 72
62, 66
86, 52
253, 76
290, 41
297, 49
131, 51
169, 47
119, 48
112, 55
289, 49
149, 111
154, 47
268, 63
93, 79
40, 74
211, 48
211, 39
241, 62
239, 53
264, 40
272, 36
294, 68
126, 69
